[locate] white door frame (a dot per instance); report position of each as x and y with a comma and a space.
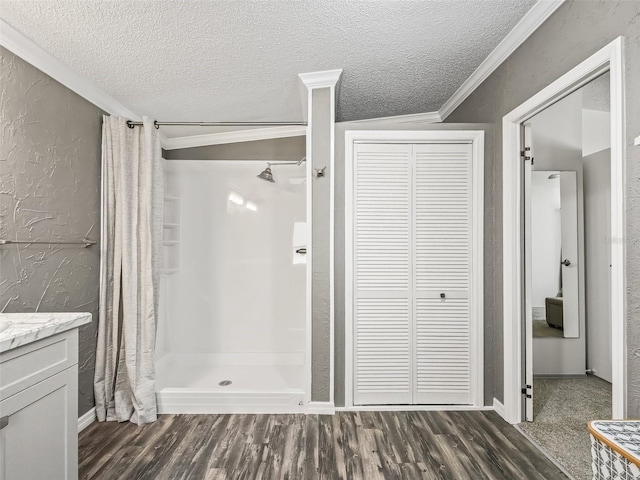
609, 58
476, 138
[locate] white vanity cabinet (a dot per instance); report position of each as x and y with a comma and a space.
39, 409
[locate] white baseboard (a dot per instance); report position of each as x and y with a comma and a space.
87, 419
321, 408
498, 407
189, 401
414, 408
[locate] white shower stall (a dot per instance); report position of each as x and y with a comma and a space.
231, 329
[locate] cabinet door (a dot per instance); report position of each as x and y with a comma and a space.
443, 250
40, 440
382, 274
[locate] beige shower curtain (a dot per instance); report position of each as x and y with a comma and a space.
132, 200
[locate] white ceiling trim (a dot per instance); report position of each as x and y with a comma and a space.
35, 55
428, 117
20, 45
322, 79
516, 37
234, 137
59, 71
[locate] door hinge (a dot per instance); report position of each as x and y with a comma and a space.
524, 391
523, 154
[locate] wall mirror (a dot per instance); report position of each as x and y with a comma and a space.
554, 247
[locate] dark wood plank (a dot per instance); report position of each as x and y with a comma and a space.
294, 444
393, 425
310, 463
350, 448
371, 464
346, 446
389, 466
422, 437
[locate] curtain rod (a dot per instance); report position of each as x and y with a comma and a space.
131, 124
85, 242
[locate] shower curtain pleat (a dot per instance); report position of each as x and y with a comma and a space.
132, 201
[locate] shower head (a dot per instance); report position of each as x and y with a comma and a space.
266, 174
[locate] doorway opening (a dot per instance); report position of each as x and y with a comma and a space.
567, 294
608, 59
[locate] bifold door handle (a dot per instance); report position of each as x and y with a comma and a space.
442, 295
566, 262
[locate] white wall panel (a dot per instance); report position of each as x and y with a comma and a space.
237, 291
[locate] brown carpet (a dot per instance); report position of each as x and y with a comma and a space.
561, 408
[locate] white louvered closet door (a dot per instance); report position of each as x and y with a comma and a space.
413, 252
443, 251
382, 275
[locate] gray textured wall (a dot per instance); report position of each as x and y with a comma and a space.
290, 148
573, 33
492, 362
49, 189
320, 284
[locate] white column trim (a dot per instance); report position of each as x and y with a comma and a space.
609, 58
321, 408
332, 243
313, 80
309, 293
498, 407
322, 79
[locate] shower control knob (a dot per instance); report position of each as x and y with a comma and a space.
566, 262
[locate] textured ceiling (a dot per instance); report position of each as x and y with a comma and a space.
238, 60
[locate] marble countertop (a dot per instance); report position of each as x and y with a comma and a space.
17, 329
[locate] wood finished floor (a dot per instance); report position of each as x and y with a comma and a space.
349, 446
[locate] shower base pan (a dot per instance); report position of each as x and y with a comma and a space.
212, 384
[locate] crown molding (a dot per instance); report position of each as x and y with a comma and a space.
427, 117
323, 79
164, 140
523, 29
234, 137
32, 53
